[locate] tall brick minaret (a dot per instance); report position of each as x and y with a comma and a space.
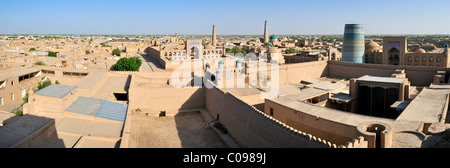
266, 33
214, 37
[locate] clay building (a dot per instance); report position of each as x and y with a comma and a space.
394, 52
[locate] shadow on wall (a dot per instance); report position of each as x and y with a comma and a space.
193, 129
29, 131
196, 100
195, 132
127, 83
151, 59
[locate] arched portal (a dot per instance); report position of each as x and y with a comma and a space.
194, 49
394, 56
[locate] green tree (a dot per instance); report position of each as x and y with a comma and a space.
51, 54
291, 50
235, 50
244, 52
128, 64
40, 63
44, 84
87, 52
40, 86
116, 52
32, 49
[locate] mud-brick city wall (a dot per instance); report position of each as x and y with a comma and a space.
250, 128
294, 73
169, 99
322, 127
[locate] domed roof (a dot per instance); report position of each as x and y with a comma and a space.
220, 62
372, 43
238, 61
209, 46
273, 37
420, 50
273, 50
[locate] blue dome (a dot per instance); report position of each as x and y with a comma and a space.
220, 62
273, 37
239, 61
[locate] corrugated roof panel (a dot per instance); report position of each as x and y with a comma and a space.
113, 111
99, 108
85, 105
54, 90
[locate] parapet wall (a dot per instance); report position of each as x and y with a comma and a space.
169, 99
41, 135
418, 76
251, 128
337, 132
294, 73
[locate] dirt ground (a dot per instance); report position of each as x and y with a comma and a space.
180, 131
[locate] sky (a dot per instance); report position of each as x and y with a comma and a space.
231, 17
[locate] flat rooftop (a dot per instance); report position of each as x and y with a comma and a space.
99, 108
427, 107
58, 91
293, 101
298, 96
382, 79
327, 85
16, 72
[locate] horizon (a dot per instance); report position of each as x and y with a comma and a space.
223, 34
324, 17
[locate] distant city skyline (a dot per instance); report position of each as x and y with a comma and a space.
232, 17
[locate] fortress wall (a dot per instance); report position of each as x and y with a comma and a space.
95, 84
418, 76
38, 137
335, 132
251, 128
294, 73
156, 54
167, 99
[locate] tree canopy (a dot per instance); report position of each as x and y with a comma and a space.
116, 52
291, 50
51, 54
39, 63
236, 50
128, 64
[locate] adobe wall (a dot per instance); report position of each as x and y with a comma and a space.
16, 89
294, 73
169, 99
157, 55
251, 128
41, 135
335, 132
418, 76
39, 103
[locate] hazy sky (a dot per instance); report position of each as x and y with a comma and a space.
229, 16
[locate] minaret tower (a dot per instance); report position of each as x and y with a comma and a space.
214, 37
266, 33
